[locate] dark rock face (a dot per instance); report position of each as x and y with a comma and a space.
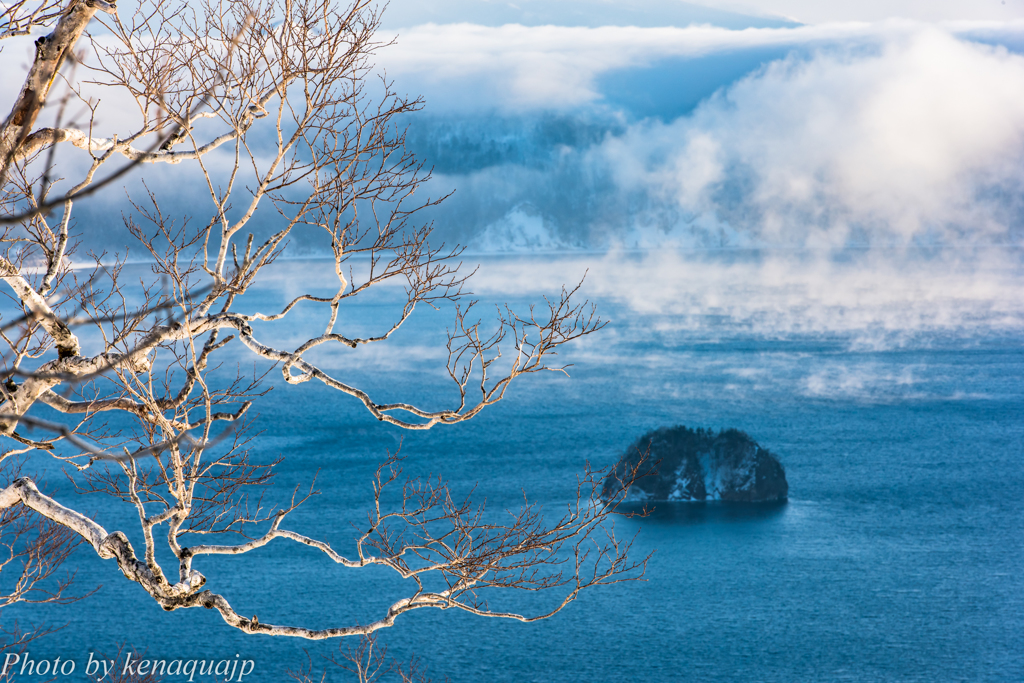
699, 464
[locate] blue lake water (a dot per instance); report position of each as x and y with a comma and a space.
898, 557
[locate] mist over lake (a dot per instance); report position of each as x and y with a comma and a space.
894, 559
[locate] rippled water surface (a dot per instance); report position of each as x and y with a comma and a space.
898, 558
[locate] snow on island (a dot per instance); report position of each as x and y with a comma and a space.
699, 464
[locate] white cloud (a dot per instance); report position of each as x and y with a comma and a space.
907, 133
892, 131
902, 142
515, 67
518, 67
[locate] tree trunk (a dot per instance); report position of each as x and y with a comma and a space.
51, 51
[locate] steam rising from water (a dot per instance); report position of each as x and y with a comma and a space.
876, 298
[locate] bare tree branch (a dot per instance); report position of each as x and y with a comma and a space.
271, 106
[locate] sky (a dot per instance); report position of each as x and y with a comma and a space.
674, 13
818, 11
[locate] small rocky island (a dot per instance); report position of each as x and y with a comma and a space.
698, 464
